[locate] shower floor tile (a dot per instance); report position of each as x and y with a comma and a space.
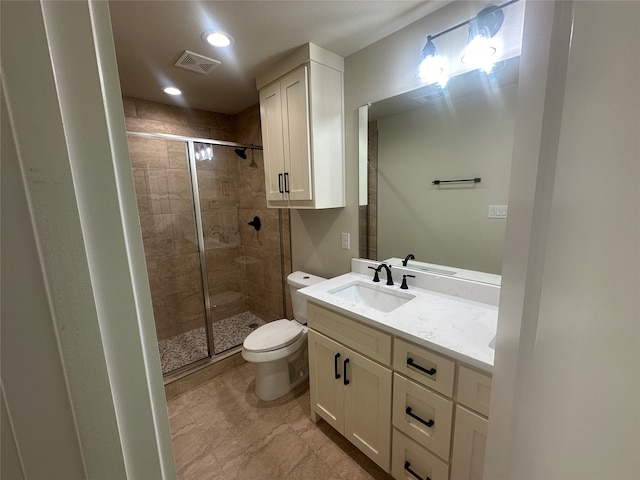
186, 348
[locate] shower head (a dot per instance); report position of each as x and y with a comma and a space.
242, 153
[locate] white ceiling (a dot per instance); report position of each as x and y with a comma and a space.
150, 36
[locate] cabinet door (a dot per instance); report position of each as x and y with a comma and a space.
295, 118
273, 140
368, 407
469, 442
326, 359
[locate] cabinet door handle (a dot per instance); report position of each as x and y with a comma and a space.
411, 363
335, 365
344, 369
429, 423
407, 467
280, 183
286, 182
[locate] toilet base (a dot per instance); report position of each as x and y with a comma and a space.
278, 377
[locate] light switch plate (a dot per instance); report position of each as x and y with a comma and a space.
346, 241
497, 211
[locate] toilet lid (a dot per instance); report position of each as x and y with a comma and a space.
273, 335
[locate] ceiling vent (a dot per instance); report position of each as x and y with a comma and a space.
197, 63
430, 97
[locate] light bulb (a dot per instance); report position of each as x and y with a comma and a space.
434, 69
218, 39
172, 91
479, 53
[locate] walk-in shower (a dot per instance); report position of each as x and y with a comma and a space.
213, 277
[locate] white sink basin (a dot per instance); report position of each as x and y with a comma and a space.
373, 296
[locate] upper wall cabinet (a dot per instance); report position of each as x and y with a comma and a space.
302, 114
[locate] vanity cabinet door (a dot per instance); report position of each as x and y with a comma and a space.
368, 407
469, 443
327, 392
352, 394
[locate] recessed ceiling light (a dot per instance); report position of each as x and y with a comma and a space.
217, 38
172, 91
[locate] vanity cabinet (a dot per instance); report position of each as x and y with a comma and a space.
301, 111
350, 390
391, 397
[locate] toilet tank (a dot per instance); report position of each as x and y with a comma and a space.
296, 281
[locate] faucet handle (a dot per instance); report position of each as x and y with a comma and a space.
404, 285
375, 275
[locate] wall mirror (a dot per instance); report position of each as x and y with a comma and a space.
462, 132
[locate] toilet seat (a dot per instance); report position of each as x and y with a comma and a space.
273, 336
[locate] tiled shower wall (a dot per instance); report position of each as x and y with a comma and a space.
368, 214
244, 266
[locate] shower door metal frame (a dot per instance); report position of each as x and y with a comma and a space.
197, 213
202, 253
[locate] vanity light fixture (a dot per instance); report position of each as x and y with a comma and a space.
480, 49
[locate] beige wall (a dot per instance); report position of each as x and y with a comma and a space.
244, 267
465, 137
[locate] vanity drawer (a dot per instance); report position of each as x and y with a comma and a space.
424, 366
407, 457
358, 336
474, 390
422, 415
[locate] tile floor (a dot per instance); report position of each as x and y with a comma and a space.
220, 430
189, 347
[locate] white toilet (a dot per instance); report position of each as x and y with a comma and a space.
279, 348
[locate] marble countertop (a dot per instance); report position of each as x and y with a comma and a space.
454, 326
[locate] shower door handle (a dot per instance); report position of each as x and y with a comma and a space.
286, 182
280, 183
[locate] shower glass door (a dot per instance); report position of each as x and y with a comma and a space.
221, 176
213, 277
165, 205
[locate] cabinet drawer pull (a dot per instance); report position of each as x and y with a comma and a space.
407, 466
335, 365
428, 423
344, 369
411, 363
286, 182
280, 183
